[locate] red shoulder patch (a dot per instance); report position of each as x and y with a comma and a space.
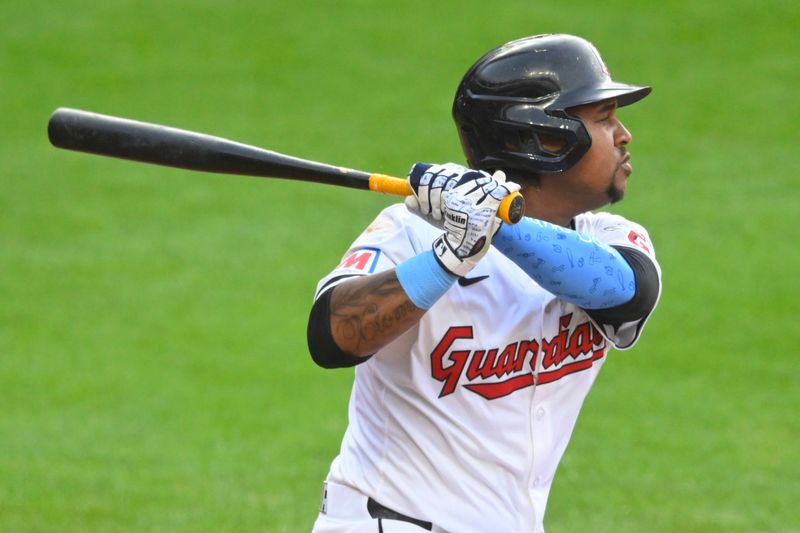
638, 240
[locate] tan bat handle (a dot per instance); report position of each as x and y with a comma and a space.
511, 209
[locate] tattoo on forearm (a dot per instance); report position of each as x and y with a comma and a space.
364, 314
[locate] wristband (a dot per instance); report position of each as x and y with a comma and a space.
424, 279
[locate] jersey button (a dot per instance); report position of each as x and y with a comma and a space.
540, 413
536, 481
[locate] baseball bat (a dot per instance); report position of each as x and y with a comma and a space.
84, 131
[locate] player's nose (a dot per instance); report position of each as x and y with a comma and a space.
623, 136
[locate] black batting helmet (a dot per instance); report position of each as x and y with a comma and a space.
519, 93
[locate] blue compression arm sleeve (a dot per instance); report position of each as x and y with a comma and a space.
573, 266
424, 279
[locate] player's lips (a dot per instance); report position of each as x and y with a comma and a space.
625, 164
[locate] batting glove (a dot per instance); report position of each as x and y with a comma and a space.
470, 219
429, 183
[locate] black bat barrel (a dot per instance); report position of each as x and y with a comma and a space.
83, 131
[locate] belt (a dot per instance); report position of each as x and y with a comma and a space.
377, 510
345, 503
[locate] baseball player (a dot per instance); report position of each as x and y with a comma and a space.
475, 342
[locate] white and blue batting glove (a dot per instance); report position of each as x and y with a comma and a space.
429, 183
469, 218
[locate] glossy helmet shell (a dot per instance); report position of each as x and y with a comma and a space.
523, 90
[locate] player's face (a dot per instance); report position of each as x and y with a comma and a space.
601, 175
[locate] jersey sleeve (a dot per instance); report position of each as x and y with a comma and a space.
619, 232
386, 242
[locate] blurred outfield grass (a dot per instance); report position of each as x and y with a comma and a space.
153, 368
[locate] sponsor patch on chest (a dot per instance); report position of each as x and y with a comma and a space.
495, 372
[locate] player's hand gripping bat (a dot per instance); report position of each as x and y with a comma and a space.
83, 131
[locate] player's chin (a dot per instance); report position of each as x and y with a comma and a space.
619, 182
616, 192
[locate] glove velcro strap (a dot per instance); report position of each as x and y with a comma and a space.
448, 258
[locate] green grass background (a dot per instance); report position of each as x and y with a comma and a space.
153, 367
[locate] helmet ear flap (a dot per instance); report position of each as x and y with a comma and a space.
546, 149
514, 134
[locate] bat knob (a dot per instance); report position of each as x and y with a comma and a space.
512, 208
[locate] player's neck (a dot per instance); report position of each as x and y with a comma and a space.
551, 208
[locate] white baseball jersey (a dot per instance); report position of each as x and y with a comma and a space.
462, 420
